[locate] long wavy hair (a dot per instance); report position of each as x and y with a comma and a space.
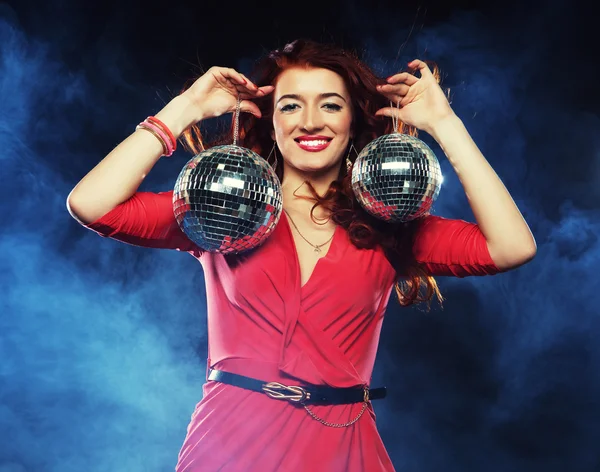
413, 284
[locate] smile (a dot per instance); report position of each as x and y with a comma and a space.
313, 145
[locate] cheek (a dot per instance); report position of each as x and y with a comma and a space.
345, 123
280, 126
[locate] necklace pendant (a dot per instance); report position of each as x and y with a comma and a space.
317, 249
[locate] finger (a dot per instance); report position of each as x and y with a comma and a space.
396, 89
254, 89
421, 67
265, 89
249, 84
262, 91
388, 111
258, 93
248, 106
233, 75
403, 77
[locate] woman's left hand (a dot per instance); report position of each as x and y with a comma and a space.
422, 102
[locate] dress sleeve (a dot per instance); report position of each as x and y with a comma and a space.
146, 220
452, 247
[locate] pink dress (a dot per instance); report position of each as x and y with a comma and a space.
263, 324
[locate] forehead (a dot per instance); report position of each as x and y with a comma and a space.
309, 81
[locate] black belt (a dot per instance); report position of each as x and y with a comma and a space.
313, 394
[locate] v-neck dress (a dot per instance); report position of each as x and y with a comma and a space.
262, 323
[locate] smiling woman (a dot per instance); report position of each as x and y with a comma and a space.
294, 325
325, 93
312, 128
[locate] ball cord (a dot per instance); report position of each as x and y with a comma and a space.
395, 119
236, 126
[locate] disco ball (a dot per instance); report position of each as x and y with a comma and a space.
227, 199
396, 178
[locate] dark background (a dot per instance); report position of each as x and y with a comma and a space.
103, 345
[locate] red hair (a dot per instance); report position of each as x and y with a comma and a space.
364, 230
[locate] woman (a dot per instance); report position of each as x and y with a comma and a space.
306, 307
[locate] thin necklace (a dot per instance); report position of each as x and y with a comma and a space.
317, 247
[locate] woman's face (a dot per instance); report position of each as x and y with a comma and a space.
312, 116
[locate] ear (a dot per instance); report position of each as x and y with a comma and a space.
273, 134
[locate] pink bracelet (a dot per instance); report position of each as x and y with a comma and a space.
167, 144
155, 121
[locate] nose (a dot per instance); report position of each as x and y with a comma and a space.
312, 119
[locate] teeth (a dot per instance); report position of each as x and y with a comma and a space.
313, 142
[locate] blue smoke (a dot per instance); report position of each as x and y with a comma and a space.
100, 370
103, 345
504, 378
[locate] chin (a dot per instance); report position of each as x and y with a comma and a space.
317, 168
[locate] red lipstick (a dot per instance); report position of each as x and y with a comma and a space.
302, 140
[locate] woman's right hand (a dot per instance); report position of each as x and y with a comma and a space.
216, 92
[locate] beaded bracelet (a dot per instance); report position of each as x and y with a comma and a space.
161, 132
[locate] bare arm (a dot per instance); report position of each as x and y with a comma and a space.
424, 105
118, 176
508, 236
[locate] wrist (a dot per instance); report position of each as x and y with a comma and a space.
179, 114
444, 126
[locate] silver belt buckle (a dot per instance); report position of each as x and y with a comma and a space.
292, 393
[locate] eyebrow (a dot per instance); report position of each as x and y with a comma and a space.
299, 97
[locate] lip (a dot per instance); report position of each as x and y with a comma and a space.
313, 138
314, 148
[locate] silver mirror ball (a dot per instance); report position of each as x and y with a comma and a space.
396, 178
227, 199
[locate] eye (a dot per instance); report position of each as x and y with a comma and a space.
328, 106
288, 107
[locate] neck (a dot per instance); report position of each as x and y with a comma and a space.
294, 187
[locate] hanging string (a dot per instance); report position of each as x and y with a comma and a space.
395, 119
236, 126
